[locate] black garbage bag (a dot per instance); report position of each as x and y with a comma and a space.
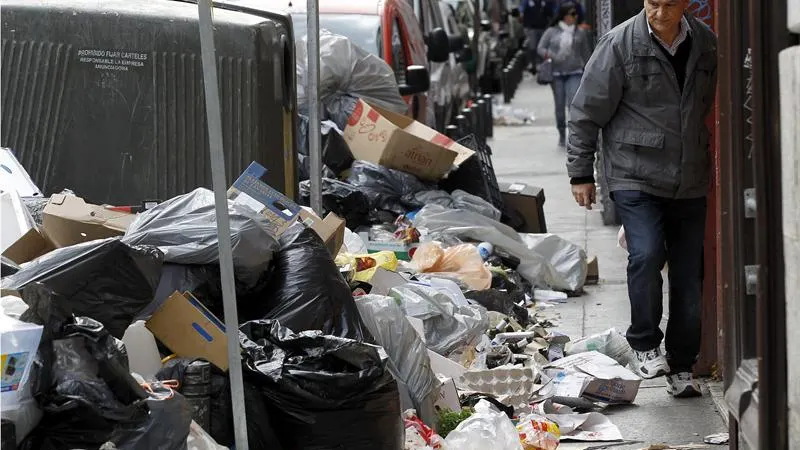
342, 199
306, 291
388, 189
323, 392
8, 267
82, 381
185, 229
260, 434
336, 154
503, 302
469, 401
106, 280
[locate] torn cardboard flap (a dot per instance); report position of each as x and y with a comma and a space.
399, 142
190, 330
330, 229
68, 220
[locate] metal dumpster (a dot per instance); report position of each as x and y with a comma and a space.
106, 97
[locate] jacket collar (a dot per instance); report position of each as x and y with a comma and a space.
644, 45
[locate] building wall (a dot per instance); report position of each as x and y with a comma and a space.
790, 151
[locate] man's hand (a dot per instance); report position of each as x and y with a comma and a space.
585, 194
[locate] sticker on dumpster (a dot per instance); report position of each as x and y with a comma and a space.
111, 59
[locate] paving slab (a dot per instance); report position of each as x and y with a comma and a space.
530, 155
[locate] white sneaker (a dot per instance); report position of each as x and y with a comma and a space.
682, 385
650, 364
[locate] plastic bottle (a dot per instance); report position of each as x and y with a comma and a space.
143, 356
485, 249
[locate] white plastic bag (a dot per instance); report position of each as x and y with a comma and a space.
443, 223
610, 343
346, 68
488, 428
408, 356
200, 440
621, 241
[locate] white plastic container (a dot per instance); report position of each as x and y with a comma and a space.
15, 220
19, 342
143, 356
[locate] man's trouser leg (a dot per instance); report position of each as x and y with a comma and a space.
643, 218
684, 226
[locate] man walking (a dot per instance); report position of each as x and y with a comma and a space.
536, 18
648, 87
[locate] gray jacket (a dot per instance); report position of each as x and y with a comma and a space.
572, 61
654, 138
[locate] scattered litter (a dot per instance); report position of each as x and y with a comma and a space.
538, 433
610, 343
717, 439
675, 447
487, 428
504, 115
586, 427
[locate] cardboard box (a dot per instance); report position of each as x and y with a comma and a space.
448, 395
593, 272
399, 142
403, 251
187, 328
68, 220
529, 202
602, 378
252, 191
330, 229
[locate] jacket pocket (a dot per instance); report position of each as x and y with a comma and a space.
644, 79
639, 156
704, 78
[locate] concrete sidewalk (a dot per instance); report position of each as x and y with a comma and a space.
530, 155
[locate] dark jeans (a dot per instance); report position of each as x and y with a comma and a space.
564, 89
534, 35
662, 230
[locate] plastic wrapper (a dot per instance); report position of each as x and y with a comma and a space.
610, 343
464, 200
325, 391
488, 428
387, 189
200, 440
346, 68
621, 241
306, 291
185, 229
365, 266
408, 356
448, 326
538, 433
462, 261
106, 280
448, 224
504, 302
353, 243
342, 199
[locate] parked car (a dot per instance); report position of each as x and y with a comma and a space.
465, 16
387, 28
459, 86
443, 73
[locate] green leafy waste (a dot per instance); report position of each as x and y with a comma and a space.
449, 420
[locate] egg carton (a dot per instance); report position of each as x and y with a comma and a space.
512, 385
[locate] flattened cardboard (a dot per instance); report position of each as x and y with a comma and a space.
399, 142
605, 380
330, 229
30, 246
252, 191
68, 220
187, 328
